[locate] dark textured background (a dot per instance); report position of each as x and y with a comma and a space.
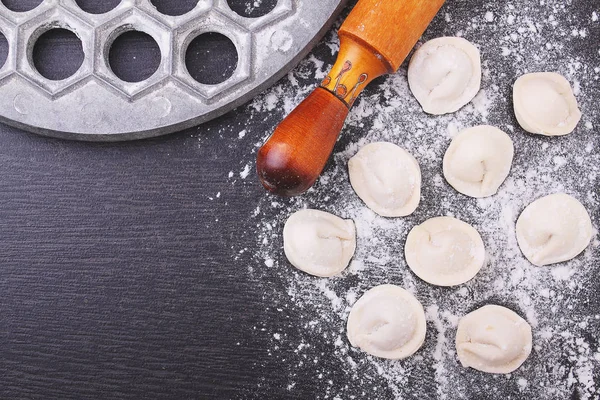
117, 275
116, 280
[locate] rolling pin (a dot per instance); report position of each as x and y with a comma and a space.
374, 40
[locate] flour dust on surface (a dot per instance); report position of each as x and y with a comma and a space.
561, 302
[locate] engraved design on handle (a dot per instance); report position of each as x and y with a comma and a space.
343, 80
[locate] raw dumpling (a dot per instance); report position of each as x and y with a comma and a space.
553, 229
445, 74
319, 243
544, 103
444, 251
387, 322
478, 160
386, 178
493, 339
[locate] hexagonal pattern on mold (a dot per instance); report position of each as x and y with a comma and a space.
9, 30
29, 32
95, 86
174, 21
283, 9
218, 23
97, 19
132, 20
20, 17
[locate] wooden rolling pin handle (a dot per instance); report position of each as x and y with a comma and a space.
374, 40
293, 157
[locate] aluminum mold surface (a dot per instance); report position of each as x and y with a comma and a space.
95, 105
9, 30
29, 32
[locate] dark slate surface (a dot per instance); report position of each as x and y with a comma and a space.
117, 278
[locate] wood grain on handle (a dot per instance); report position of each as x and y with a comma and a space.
293, 158
374, 40
390, 27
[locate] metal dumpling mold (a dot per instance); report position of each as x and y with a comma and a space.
94, 104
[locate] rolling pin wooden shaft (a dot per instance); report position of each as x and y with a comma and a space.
374, 40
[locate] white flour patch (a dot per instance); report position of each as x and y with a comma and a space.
245, 172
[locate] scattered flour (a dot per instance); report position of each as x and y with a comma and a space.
560, 302
245, 171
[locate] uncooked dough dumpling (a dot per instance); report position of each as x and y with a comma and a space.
386, 178
319, 243
553, 229
445, 74
478, 160
493, 339
544, 104
444, 251
387, 322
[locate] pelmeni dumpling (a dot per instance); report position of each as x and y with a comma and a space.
386, 178
478, 160
493, 339
444, 251
319, 243
544, 103
387, 322
445, 74
553, 229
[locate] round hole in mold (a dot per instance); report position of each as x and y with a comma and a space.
3, 49
57, 54
174, 8
97, 7
134, 56
252, 8
21, 5
211, 58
